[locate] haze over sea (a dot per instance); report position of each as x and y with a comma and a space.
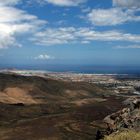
88, 69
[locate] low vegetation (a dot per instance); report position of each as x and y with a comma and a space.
128, 135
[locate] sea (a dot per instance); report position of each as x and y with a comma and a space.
87, 69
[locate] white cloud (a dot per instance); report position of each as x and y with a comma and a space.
113, 16
128, 47
15, 15
7, 40
86, 10
70, 35
44, 57
127, 3
9, 2
15, 22
55, 36
63, 2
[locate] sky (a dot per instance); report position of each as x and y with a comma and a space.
70, 32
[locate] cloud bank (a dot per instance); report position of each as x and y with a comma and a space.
15, 22
71, 35
127, 3
113, 16
62, 2
9, 2
128, 47
19, 22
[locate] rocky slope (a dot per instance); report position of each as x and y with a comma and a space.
123, 120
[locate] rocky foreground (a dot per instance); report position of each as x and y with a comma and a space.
127, 118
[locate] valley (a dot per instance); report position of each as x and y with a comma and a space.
35, 107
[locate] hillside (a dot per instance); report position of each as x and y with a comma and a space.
36, 108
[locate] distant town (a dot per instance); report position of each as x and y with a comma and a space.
119, 84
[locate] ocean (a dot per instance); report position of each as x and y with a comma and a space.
90, 69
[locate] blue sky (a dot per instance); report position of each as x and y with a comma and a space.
87, 32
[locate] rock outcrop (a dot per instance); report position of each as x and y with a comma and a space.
128, 117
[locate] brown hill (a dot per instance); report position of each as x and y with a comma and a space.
38, 108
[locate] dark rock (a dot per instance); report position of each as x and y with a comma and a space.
126, 118
99, 135
18, 104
